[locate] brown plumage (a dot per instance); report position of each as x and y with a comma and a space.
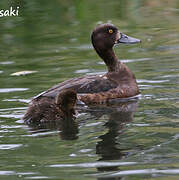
118, 82
47, 109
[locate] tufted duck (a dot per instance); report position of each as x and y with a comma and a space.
118, 82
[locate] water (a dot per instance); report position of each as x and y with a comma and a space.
136, 140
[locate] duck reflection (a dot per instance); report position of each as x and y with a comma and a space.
109, 146
68, 128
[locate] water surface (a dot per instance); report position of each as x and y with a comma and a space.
134, 140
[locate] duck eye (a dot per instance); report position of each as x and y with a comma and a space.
110, 31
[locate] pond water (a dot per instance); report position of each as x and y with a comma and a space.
133, 140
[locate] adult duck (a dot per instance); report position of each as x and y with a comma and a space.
118, 82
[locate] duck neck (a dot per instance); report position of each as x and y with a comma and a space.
109, 58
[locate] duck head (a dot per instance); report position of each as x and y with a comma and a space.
66, 100
104, 37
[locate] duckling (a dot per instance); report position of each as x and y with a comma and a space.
47, 109
118, 82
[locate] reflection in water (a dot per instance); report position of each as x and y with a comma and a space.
68, 128
109, 147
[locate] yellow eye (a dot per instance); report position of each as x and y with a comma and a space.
110, 31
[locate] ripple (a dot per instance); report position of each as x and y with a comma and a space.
23, 73
164, 48
84, 47
170, 76
18, 108
16, 113
95, 164
26, 173
151, 81
16, 116
93, 124
7, 173
85, 150
96, 73
166, 99
16, 173
39, 177
137, 172
141, 125
131, 60
82, 71
147, 96
136, 60
12, 127
9, 146
142, 86
6, 62
17, 100
41, 133
5, 131
7, 90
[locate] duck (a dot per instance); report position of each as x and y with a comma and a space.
60, 110
118, 82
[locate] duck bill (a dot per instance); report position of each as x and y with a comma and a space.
122, 38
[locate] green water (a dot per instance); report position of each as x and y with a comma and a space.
53, 39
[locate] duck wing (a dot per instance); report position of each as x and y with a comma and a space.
85, 84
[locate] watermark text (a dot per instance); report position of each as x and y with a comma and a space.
9, 12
